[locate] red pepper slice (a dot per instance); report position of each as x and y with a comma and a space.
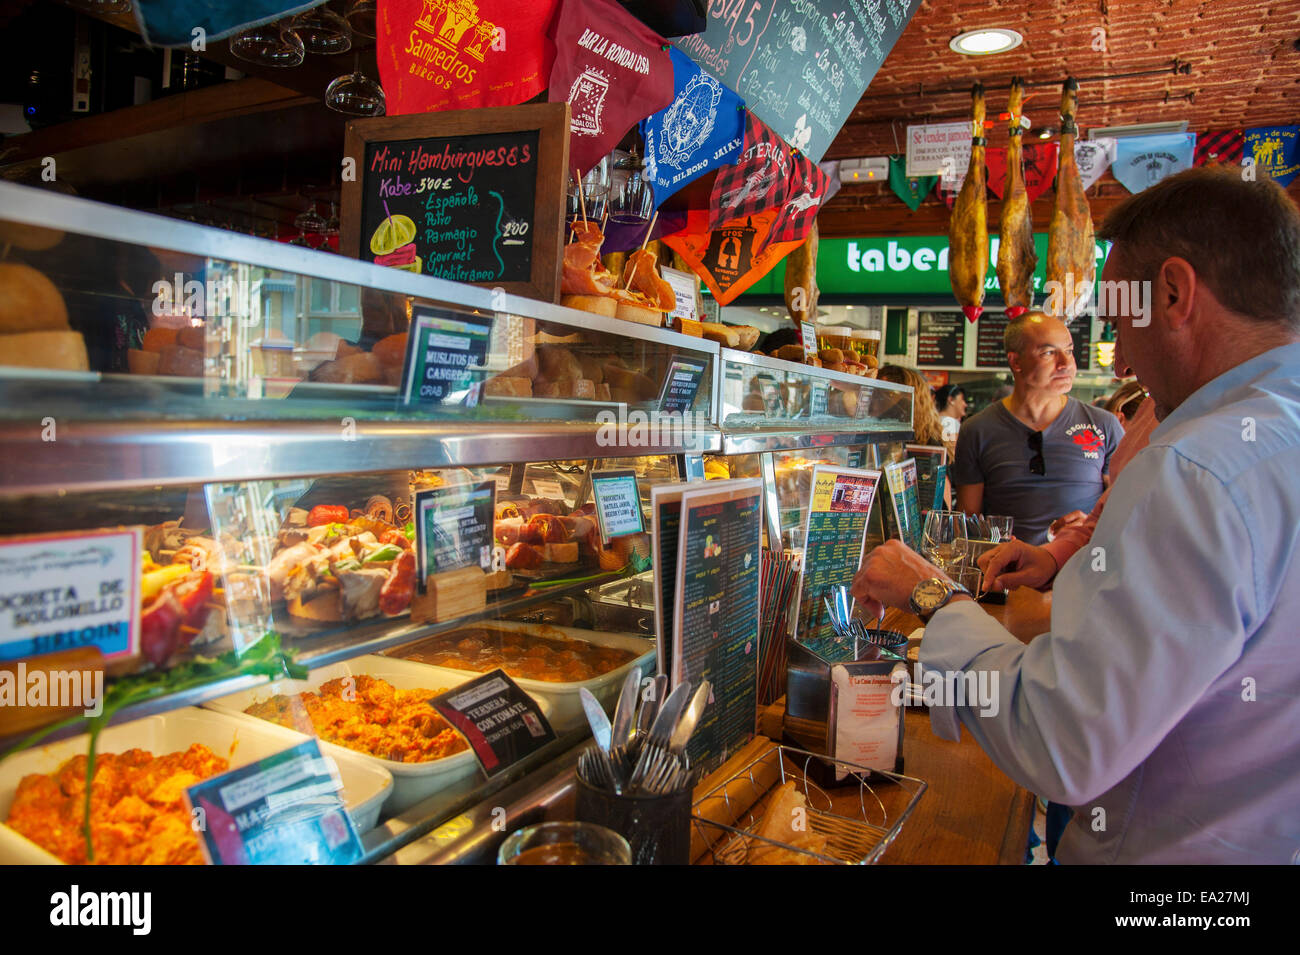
193, 593
327, 514
160, 625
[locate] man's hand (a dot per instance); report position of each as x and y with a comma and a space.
1017, 564
1074, 517
889, 575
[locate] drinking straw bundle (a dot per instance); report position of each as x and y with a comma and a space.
777, 580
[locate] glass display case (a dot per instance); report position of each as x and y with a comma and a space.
241, 403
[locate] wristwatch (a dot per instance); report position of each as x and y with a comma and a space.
931, 594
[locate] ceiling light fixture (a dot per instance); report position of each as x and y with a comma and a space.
985, 42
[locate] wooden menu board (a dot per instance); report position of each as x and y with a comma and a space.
472, 196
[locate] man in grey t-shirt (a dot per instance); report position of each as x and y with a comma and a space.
1037, 454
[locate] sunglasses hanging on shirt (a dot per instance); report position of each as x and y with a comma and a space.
1036, 464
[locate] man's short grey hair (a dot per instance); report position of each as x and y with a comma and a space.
1014, 336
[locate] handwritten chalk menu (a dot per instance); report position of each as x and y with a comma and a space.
471, 196
990, 352
454, 528
834, 533
801, 65
286, 809
931, 474
66, 591
940, 338
715, 623
501, 722
904, 512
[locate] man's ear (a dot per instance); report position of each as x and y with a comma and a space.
1176, 290
1013, 361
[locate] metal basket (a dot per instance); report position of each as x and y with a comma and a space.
851, 841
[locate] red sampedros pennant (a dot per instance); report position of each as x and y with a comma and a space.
732, 257
462, 54
612, 71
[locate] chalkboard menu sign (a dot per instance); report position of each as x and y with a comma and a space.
1080, 334
471, 196
989, 350
941, 338
801, 65
991, 353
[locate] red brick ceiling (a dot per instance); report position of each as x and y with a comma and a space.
1245, 70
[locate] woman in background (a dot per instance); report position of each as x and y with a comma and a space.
951, 402
1126, 400
925, 416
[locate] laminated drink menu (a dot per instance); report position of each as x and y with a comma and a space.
715, 622
904, 511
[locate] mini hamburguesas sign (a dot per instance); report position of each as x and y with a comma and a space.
65, 591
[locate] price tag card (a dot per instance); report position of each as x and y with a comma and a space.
502, 483
442, 349
454, 528
286, 809
681, 385
618, 503
694, 467
64, 591
683, 285
502, 723
818, 401
808, 334
551, 490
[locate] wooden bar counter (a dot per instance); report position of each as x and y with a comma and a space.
972, 813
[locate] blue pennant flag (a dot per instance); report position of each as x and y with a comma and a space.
701, 129
1142, 161
1275, 152
173, 22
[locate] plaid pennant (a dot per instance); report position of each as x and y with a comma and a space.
759, 181
805, 193
1220, 146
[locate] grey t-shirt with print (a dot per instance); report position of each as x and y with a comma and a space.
993, 450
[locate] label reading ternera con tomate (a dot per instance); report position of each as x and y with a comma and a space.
456, 207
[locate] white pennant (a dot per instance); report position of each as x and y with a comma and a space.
1093, 157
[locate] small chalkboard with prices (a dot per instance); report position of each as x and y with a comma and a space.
471, 196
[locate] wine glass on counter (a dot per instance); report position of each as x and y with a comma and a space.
595, 192
631, 199
944, 541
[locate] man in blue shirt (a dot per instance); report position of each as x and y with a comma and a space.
1163, 702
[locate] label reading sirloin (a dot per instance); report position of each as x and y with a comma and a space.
501, 722
65, 591
281, 810
618, 503
443, 350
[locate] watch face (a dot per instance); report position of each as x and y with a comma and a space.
929, 594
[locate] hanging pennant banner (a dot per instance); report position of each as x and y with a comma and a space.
1039, 168
832, 170
757, 182
173, 22
703, 128
1093, 157
612, 71
1220, 146
462, 54
1142, 161
911, 189
732, 257
1275, 151
805, 195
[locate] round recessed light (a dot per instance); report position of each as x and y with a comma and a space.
985, 42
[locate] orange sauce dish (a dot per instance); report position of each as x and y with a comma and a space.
137, 807
521, 655
368, 715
